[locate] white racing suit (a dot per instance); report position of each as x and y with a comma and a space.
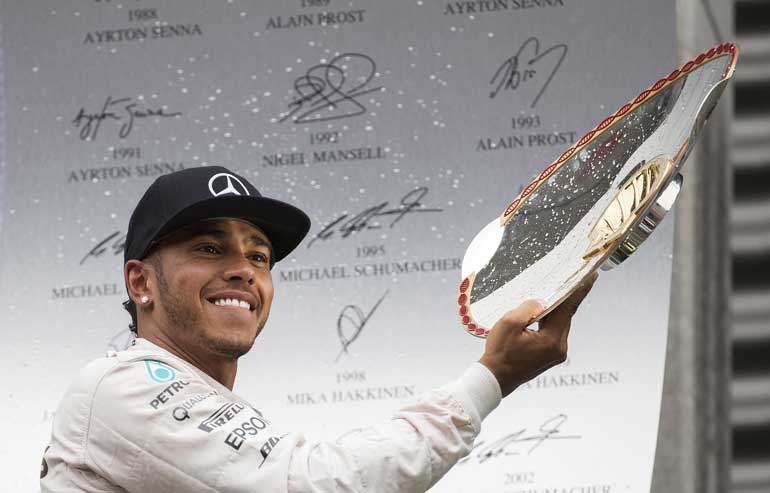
145, 421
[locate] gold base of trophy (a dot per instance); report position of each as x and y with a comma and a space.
639, 196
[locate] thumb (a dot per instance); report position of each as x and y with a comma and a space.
521, 316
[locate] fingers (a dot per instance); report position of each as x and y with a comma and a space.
522, 315
571, 304
558, 321
515, 355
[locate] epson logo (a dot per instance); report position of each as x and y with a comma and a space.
251, 427
221, 416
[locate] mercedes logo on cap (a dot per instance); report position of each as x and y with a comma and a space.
225, 183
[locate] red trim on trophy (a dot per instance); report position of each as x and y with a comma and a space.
641, 97
464, 285
547, 171
601, 126
530, 187
465, 310
724, 48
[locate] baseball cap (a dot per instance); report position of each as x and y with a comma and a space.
185, 197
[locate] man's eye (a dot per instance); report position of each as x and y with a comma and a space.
209, 249
259, 257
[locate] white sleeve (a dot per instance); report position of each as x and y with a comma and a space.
138, 438
411, 452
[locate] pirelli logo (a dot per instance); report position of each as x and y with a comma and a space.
221, 416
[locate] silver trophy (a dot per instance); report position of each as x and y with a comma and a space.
595, 205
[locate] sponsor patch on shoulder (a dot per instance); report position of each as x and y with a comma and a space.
221, 416
159, 372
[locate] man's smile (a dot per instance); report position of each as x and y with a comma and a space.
234, 300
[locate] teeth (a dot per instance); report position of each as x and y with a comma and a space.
232, 302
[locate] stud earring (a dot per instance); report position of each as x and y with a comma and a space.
145, 299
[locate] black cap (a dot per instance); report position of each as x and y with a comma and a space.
191, 195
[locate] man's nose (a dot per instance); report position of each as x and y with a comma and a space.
240, 269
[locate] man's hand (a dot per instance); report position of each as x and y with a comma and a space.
516, 355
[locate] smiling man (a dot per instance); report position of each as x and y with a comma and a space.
161, 416
223, 305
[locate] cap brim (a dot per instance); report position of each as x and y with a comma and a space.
283, 224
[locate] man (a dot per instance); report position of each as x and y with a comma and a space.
161, 416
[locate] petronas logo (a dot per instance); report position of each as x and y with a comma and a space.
159, 372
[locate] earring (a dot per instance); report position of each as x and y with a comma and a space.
145, 299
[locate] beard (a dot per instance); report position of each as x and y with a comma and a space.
187, 321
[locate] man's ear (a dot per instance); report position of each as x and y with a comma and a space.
137, 275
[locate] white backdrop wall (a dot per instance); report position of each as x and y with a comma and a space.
441, 112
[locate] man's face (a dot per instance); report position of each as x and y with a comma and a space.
214, 286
